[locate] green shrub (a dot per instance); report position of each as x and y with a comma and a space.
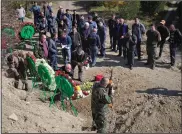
97, 3
152, 7
130, 9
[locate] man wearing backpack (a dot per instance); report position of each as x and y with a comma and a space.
175, 40
138, 29
163, 30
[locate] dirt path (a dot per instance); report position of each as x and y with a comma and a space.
146, 100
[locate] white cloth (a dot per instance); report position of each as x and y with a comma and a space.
21, 12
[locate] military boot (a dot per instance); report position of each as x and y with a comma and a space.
26, 86
16, 83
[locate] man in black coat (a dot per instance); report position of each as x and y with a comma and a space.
102, 34
52, 24
116, 35
175, 40
131, 41
85, 32
164, 32
52, 44
75, 18
111, 24
76, 39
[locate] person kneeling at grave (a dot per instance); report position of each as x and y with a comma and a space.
67, 69
17, 69
77, 59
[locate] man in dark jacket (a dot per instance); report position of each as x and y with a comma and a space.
175, 40
68, 15
111, 24
76, 39
164, 32
77, 59
153, 37
138, 29
36, 11
52, 24
94, 45
99, 105
85, 32
92, 23
62, 27
98, 19
53, 51
66, 43
75, 18
116, 34
68, 23
60, 14
81, 23
47, 10
122, 42
131, 41
42, 27
102, 34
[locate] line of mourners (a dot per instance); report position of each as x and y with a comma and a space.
82, 40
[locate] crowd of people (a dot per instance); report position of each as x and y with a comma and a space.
82, 40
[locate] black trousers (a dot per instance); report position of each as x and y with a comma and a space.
111, 39
172, 53
161, 44
115, 42
130, 57
151, 52
138, 49
122, 48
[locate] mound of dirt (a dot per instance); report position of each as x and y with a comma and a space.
33, 116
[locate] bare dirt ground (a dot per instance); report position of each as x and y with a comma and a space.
146, 100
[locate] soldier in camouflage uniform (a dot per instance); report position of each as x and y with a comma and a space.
17, 69
153, 37
99, 105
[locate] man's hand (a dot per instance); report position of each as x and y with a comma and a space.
79, 63
110, 105
122, 37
